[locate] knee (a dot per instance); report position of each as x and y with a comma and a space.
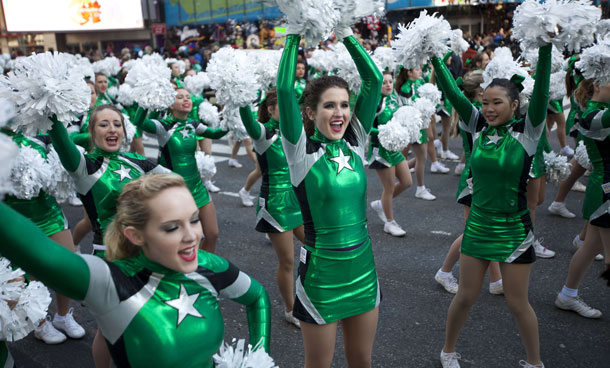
212, 234
517, 305
358, 359
464, 299
286, 264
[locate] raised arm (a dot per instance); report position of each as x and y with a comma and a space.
536, 111
69, 155
291, 124
212, 133
445, 81
370, 91
57, 267
252, 126
147, 125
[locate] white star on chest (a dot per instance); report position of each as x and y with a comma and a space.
494, 138
185, 305
185, 133
123, 172
342, 161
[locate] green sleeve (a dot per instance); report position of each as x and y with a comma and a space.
141, 122
536, 111
258, 310
58, 268
445, 81
68, 154
374, 131
370, 91
80, 139
213, 133
291, 124
252, 126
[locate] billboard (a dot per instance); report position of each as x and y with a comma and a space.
71, 15
180, 12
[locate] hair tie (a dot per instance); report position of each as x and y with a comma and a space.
468, 62
459, 82
518, 81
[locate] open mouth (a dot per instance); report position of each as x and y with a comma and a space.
336, 126
112, 141
189, 254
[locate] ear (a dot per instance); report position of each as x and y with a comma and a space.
310, 114
270, 109
134, 236
515, 104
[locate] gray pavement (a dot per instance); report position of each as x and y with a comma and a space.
414, 307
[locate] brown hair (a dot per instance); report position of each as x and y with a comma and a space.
571, 81
478, 58
270, 100
584, 92
93, 120
471, 82
402, 77
312, 94
132, 210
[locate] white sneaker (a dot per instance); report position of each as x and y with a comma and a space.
525, 364
567, 151
449, 283
459, 168
412, 170
234, 163
291, 319
438, 167
577, 243
450, 360
393, 229
542, 251
69, 326
75, 201
211, 187
424, 194
579, 187
49, 334
245, 198
378, 207
448, 155
577, 305
496, 289
560, 209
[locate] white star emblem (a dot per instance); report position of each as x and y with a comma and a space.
123, 172
185, 133
342, 161
493, 138
185, 305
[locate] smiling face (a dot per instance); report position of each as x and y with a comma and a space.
388, 85
183, 104
332, 113
300, 73
175, 69
93, 96
107, 130
101, 84
497, 106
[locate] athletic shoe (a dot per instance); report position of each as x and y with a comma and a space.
577, 305
542, 251
291, 319
448, 155
412, 170
577, 243
424, 193
211, 187
376, 205
234, 163
393, 229
48, 333
75, 201
579, 187
496, 289
459, 168
560, 209
69, 326
438, 167
567, 151
449, 283
450, 360
245, 198
525, 364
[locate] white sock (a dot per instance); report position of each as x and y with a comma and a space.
496, 283
556, 203
567, 293
419, 189
58, 317
244, 191
444, 274
578, 237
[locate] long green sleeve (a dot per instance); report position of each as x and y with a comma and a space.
58, 268
213, 133
540, 96
141, 122
291, 124
445, 81
68, 154
258, 310
370, 90
252, 126
80, 139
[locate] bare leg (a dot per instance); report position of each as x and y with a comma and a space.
453, 255
583, 257
284, 249
299, 233
319, 341
431, 131
358, 338
446, 123
235, 149
420, 162
583, 231
252, 177
209, 224
387, 177
101, 354
63, 238
250, 150
533, 191
564, 188
560, 119
404, 178
494, 272
82, 228
137, 146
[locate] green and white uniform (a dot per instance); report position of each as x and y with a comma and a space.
499, 227
299, 88
464, 191
337, 277
379, 157
278, 207
177, 145
104, 99
538, 168
555, 107
150, 316
594, 125
409, 91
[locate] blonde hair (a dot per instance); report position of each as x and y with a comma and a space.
132, 210
93, 120
584, 92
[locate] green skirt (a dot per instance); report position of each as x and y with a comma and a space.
597, 203
555, 107
381, 158
43, 210
277, 211
423, 138
464, 191
198, 190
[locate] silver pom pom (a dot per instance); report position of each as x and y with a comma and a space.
557, 167
266, 64
404, 128
458, 43
208, 113
352, 10
195, 84
237, 355
7, 112
231, 121
109, 66
206, 165
430, 92
384, 58
61, 184
557, 87
581, 155
30, 174
8, 154
594, 62
130, 131
151, 86
125, 96
231, 76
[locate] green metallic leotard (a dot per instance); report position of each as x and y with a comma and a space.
409, 91
499, 227
464, 191
337, 277
299, 88
378, 156
278, 207
99, 177
150, 316
177, 146
555, 107
104, 99
538, 168
42, 210
594, 125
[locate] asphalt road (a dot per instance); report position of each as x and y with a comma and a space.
414, 307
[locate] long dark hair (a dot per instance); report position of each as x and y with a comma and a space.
312, 94
270, 100
584, 92
402, 77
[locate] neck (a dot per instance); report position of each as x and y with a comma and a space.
180, 114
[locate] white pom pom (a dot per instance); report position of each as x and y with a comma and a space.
151, 87
42, 85
109, 66
557, 86
231, 76
346, 68
313, 19
61, 185
393, 136
113, 91
195, 84
181, 64
602, 28
30, 174
205, 165
208, 113
594, 62
231, 121
266, 64
322, 60
129, 64
85, 67
8, 154
7, 112
154, 58
427, 108
430, 92
581, 155
405, 127
458, 43
557, 167
424, 37
237, 356
384, 58
130, 133
558, 62
125, 96
352, 10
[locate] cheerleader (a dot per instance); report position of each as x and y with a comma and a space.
157, 294
101, 88
324, 148
499, 227
301, 80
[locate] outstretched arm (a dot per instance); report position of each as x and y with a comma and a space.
258, 310
141, 122
536, 111
69, 155
252, 126
291, 124
445, 81
212, 133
